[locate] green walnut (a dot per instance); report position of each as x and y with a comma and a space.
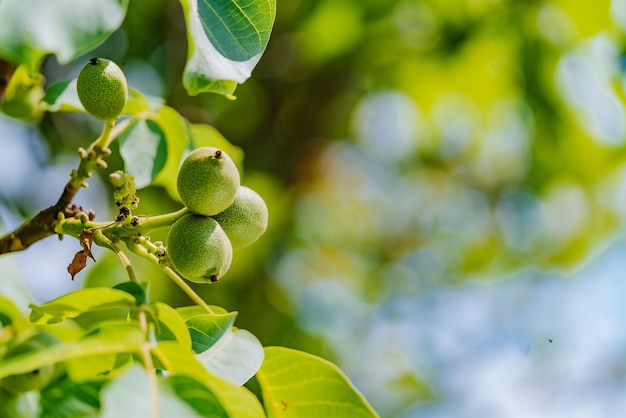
199, 249
245, 220
102, 88
207, 181
37, 378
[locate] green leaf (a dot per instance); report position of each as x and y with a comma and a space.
206, 330
23, 405
226, 40
297, 384
23, 94
236, 401
207, 136
236, 357
68, 399
169, 324
138, 290
62, 97
109, 338
138, 394
89, 368
138, 103
75, 303
144, 150
188, 312
196, 395
29, 30
176, 133
238, 29
10, 315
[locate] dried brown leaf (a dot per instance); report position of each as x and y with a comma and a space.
86, 240
78, 263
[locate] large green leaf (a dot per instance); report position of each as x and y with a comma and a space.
29, 30
196, 395
176, 133
235, 401
75, 303
206, 330
109, 338
169, 325
69, 399
144, 150
62, 97
139, 394
10, 315
188, 312
203, 135
236, 357
297, 384
226, 40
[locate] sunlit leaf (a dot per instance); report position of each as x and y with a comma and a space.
69, 399
196, 395
206, 330
138, 103
236, 401
226, 40
169, 324
137, 393
29, 30
23, 94
89, 368
62, 97
188, 312
236, 357
144, 150
138, 290
10, 315
297, 384
176, 133
110, 338
75, 303
203, 135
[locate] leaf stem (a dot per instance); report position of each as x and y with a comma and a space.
103, 241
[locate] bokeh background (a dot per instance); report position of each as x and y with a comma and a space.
447, 191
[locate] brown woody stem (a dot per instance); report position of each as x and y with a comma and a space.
42, 224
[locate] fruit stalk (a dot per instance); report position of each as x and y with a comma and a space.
143, 252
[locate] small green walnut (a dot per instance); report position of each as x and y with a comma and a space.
207, 181
37, 378
199, 249
245, 220
102, 88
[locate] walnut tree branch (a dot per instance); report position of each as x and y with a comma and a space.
42, 224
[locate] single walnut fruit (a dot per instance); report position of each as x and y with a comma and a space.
102, 88
245, 220
207, 181
199, 249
